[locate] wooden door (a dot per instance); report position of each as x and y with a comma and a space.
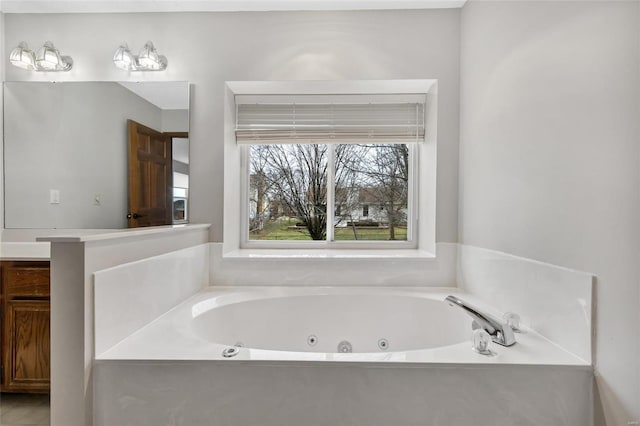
27, 339
150, 177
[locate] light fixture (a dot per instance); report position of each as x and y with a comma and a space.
47, 59
150, 59
22, 57
147, 60
123, 58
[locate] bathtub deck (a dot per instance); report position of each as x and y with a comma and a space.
165, 374
170, 337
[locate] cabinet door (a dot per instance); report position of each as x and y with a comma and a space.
27, 341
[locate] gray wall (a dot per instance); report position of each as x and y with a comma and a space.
210, 48
550, 158
175, 120
73, 138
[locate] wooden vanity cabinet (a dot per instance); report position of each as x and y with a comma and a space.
25, 319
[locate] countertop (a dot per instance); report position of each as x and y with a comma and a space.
25, 251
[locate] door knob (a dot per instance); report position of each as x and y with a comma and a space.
135, 215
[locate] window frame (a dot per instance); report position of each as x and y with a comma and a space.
232, 164
330, 242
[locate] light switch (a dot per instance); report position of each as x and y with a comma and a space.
54, 196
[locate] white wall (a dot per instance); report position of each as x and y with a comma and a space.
2, 65
209, 48
72, 138
350, 269
550, 158
73, 262
121, 293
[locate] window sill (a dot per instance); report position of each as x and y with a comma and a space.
314, 254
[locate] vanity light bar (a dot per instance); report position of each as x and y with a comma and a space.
48, 58
147, 60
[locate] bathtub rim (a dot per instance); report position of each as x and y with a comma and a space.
144, 345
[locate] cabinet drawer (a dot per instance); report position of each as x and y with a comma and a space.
26, 281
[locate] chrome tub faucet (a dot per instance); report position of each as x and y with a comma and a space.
500, 333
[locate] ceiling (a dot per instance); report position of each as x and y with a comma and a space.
116, 6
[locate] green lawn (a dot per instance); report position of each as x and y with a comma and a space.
282, 231
378, 234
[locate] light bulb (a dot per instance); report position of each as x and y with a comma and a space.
48, 57
22, 57
150, 60
123, 58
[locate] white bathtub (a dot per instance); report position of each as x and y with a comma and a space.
319, 320
288, 370
387, 325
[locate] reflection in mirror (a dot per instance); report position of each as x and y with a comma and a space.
68, 159
180, 149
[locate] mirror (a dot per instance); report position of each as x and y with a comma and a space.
66, 151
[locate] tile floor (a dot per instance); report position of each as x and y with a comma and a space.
18, 409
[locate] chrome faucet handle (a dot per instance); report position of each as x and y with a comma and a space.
503, 336
512, 320
500, 333
480, 341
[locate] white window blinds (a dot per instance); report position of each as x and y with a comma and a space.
382, 119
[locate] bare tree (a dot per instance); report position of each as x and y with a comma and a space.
347, 183
383, 170
259, 186
297, 176
391, 171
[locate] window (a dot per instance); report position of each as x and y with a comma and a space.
306, 156
313, 167
289, 190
